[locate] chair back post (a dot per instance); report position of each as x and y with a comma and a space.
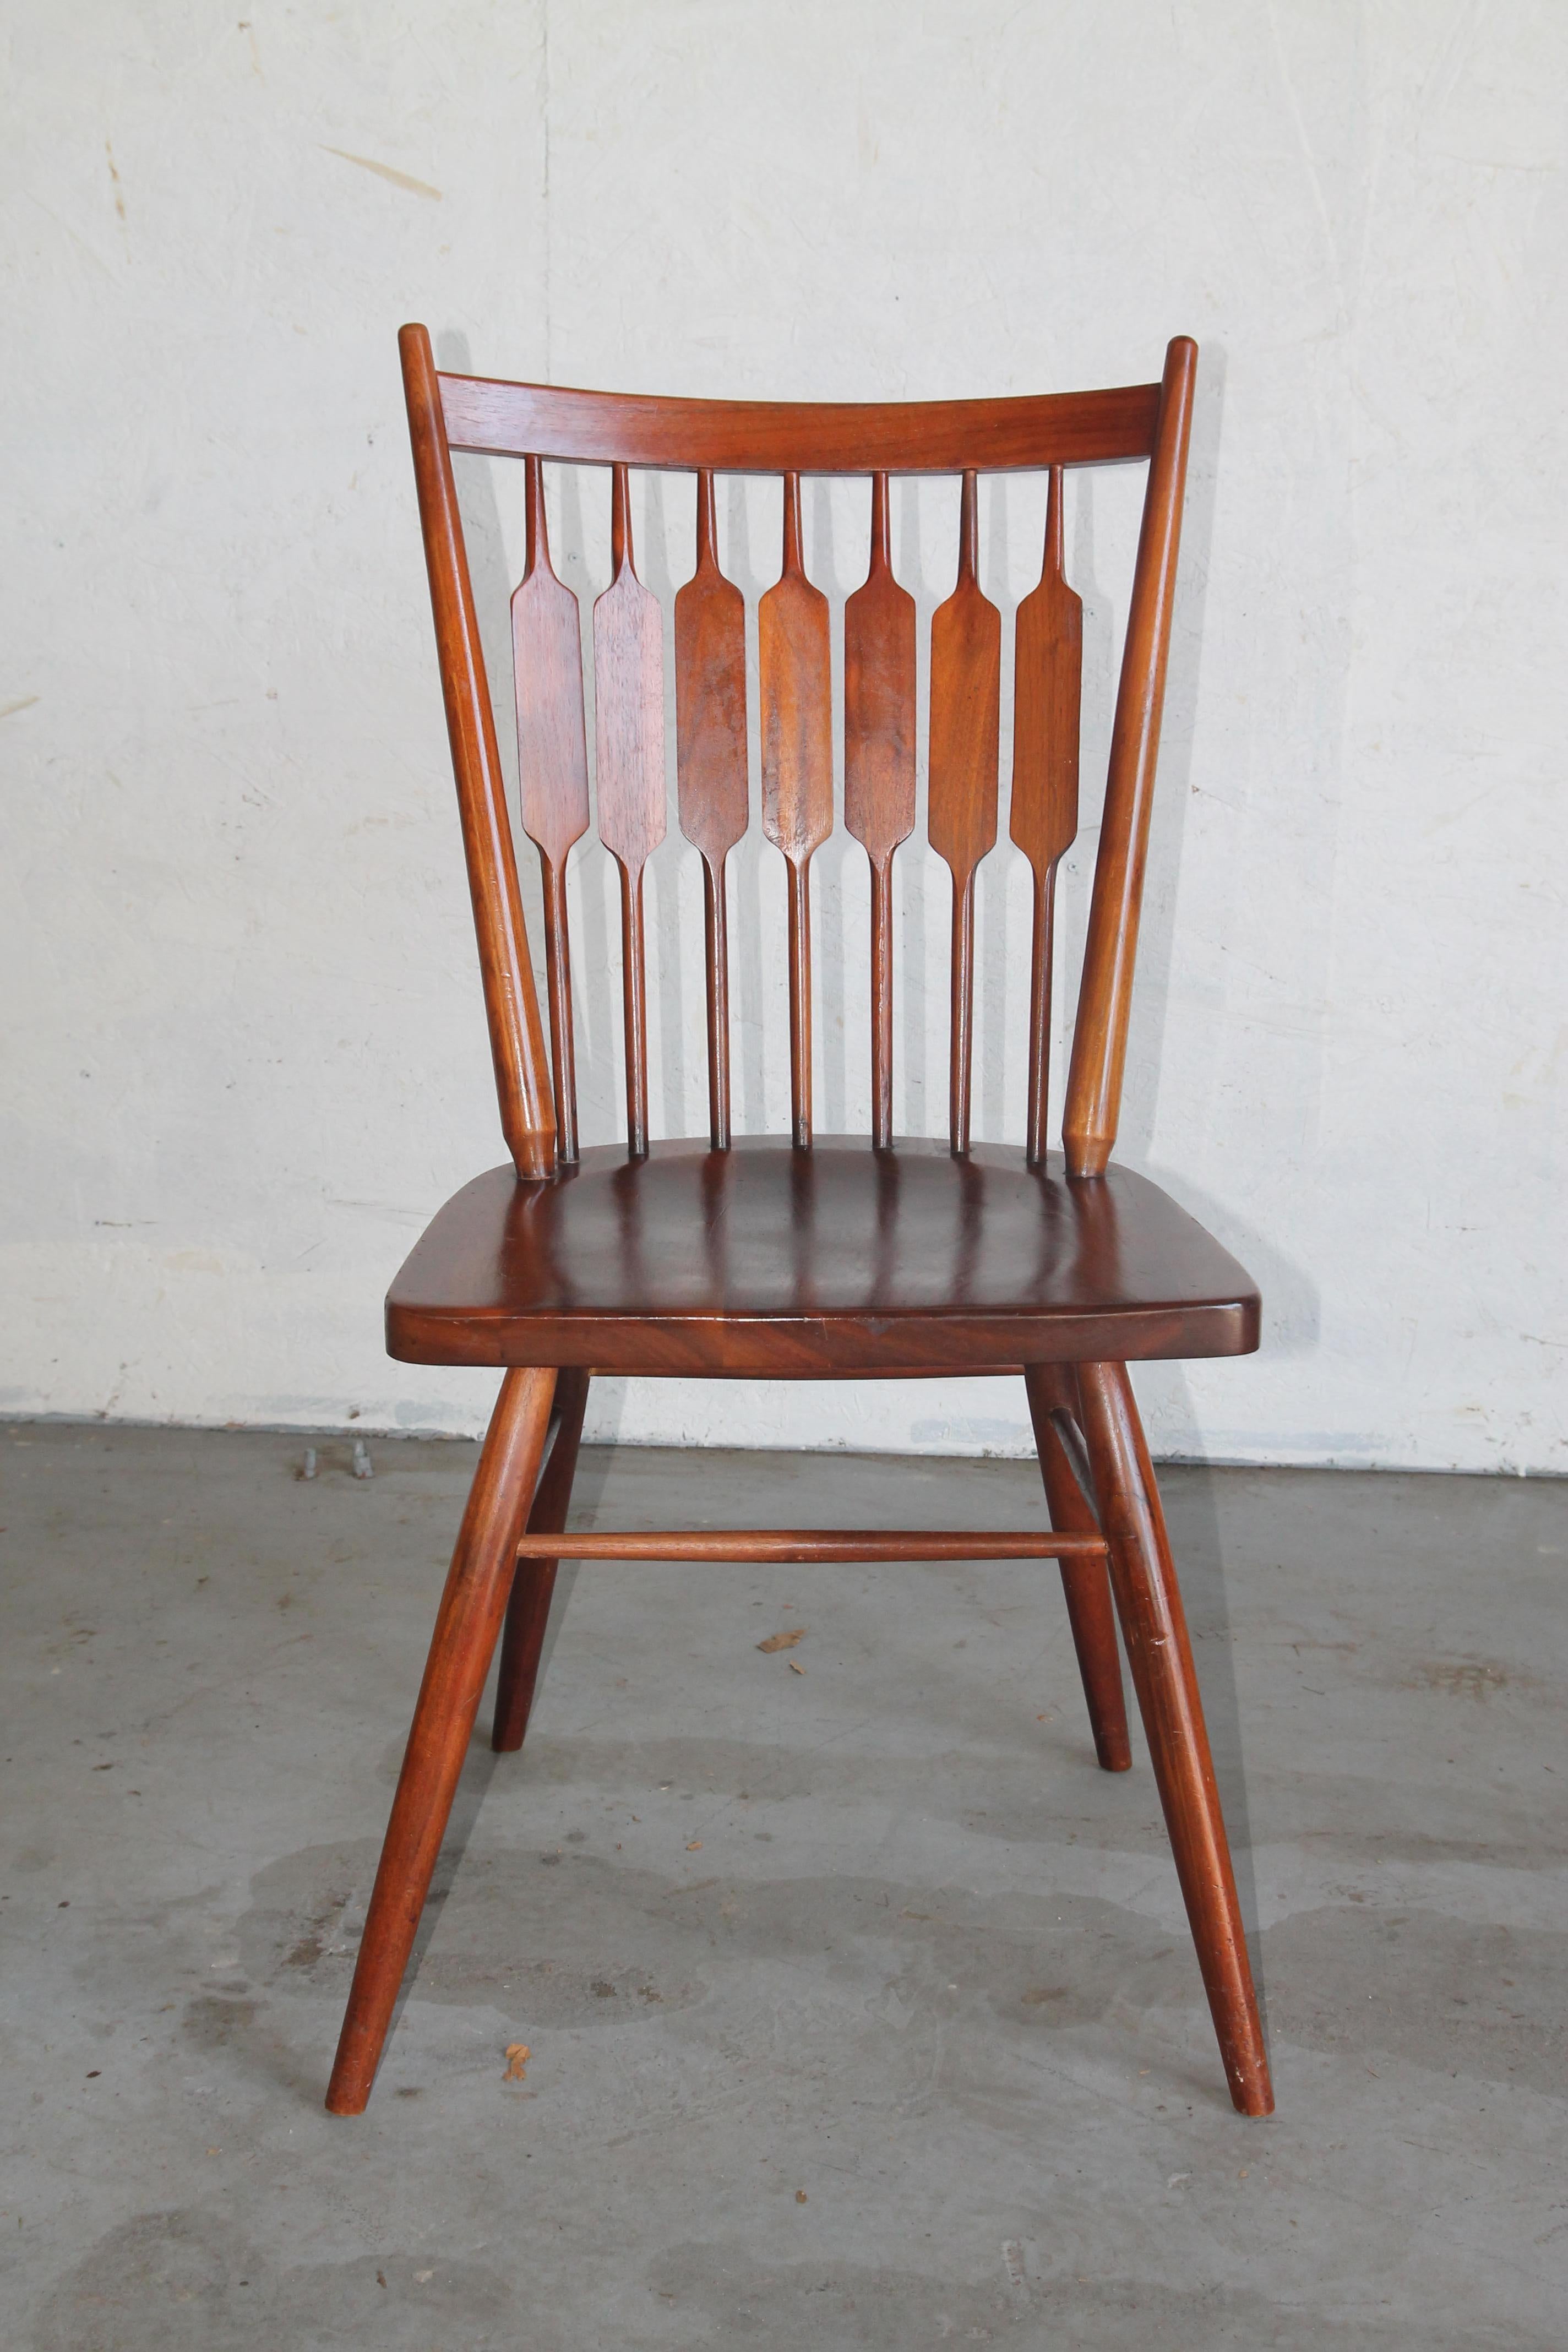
1105, 996
517, 1045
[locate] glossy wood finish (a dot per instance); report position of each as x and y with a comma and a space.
1048, 694
528, 1610
516, 1047
801, 1547
785, 1258
1052, 1401
629, 702
879, 770
765, 1258
758, 436
1154, 1628
795, 682
965, 690
710, 759
1105, 997
553, 770
464, 1643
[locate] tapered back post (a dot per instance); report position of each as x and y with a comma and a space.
511, 1008
1105, 994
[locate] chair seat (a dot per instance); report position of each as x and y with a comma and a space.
769, 1262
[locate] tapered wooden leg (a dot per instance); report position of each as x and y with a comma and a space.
1154, 1628
461, 1649
1085, 1581
528, 1612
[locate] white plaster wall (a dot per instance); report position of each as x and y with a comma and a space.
243, 1039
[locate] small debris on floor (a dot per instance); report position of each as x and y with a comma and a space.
518, 2054
795, 1668
800, 2197
361, 1463
782, 1640
695, 1846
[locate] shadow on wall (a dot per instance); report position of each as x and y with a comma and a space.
1162, 1053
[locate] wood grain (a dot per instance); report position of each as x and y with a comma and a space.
1047, 697
965, 722
552, 770
794, 677
629, 702
756, 436
711, 761
879, 770
766, 1260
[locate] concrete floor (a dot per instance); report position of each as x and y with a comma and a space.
861, 2006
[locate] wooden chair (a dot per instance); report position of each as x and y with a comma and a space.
794, 1256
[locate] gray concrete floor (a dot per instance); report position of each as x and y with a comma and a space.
861, 2006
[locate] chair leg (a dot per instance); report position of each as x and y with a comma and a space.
1085, 1581
528, 1612
461, 1649
1154, 1626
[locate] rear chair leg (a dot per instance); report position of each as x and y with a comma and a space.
1154, 1628
1085, 1581
461, 1649
528, 1612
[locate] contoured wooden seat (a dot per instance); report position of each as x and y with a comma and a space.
798, 1256
768, 1261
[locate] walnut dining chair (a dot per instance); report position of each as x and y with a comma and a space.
800, 1257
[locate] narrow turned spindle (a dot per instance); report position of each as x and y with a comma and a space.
879, 770
1048, 697
965, 720
794, 677
711, 761
628, 696
553, 770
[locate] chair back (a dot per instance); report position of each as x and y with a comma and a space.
706, 438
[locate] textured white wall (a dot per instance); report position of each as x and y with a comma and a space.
244, 1042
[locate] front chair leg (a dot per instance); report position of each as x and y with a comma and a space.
1084, 1582
1154, 1628
461, 1649
528, 1612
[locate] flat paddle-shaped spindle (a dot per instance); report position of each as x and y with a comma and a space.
1046, 702
879, 770
794, 676
965, 705
711, 765
553, 770
628, 697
